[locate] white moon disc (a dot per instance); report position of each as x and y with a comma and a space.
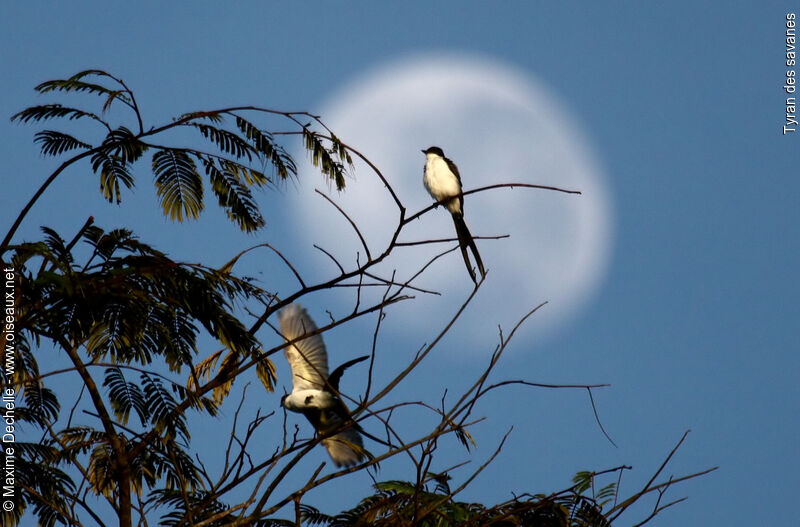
499, 126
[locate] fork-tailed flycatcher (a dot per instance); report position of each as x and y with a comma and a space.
315, 394
442, 180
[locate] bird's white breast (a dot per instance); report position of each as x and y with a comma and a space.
440, 182
300, 400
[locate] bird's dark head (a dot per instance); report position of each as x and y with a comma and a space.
433, 150
283, 399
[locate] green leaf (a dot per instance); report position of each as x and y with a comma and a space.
178, 469
226, 141
178, 184
113, 173
400, 487
58, 252
52, 111
269, 151
101, 470
265, 370
41, 484
78, 440
125, 396
124, 144
75, 85
262, 141
226, 368
582, 481
161, 406
56, 143
42, 405
322, 159
106, 244
233, 196
214, 117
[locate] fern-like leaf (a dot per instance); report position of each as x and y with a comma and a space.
226, 368
124, 144
161, 406
58, 253
178, 184
442, 481
55, 143
76, 84
226, 141
313, 516
42, 405
52, 111
78, 440
214, 117
125, 396
395, 486
202, 370
262, 141
582, 481
323, 159
72, 85
270, 152
101, 470
113, 173
265, 370
178, 469
233, 195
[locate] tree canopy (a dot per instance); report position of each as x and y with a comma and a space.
128, 319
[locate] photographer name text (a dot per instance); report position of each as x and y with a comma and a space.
8, 395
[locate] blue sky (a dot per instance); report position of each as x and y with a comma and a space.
694, 323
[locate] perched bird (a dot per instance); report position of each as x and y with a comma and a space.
442, 180
315, 394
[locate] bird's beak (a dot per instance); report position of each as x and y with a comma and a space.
423, 151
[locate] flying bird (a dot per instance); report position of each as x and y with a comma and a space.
442, 181
315, 394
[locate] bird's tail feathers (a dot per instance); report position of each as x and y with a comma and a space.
465, 240
346, 448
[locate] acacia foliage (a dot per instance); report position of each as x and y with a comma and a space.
122, 310
126, 319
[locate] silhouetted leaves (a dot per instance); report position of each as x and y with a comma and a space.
232, 193
55, 143
125, 396
200, 503
161, 406
41, 405
178, 184
264, 144
226, 141
113, 173
404, 503
40, 484
265, 370
324, 160
44, 112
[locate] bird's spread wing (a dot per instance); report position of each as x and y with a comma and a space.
307, 358
333, 380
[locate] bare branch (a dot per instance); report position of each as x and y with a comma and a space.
349, 220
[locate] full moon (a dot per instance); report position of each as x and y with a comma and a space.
499, 125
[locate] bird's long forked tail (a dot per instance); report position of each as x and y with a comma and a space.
465, 240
